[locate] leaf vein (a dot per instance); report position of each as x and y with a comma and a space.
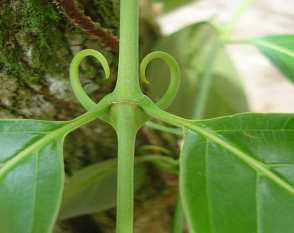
255, 164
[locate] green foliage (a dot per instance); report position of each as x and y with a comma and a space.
31, 172
31, 175
96, 185
279, 49
239, 175
191, 47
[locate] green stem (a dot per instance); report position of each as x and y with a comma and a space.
127, 85
127, 90
178, 219
126, 128
163, 128
205, 81
162, 162
156, 148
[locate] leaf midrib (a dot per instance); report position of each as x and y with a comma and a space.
27, 150
272, 46
35, 191
253, 130
57, 133
257, 205
208, 187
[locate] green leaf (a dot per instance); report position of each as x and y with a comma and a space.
190, 47
90, 190
93, 189
237, 174
279, 49
31, 175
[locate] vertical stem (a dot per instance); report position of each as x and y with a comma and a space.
126, 129
201, 100
127, 88
127, 85
178, 218
205, 81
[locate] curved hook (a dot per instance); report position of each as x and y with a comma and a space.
81, 95
175, 77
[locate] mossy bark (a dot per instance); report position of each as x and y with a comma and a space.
38, 39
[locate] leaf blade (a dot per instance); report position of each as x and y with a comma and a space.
31, 176
221, 180
279, 50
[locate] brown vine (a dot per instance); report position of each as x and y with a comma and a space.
70, 9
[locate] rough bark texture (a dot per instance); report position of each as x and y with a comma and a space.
37, 41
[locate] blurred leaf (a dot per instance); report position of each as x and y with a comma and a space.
237, 174
279, 49
226, 97
169, 5
190, 46
93, 189
31, 175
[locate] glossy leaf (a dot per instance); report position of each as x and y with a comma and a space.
279, 49
93, 189
31, 175
190, 47
237, 174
